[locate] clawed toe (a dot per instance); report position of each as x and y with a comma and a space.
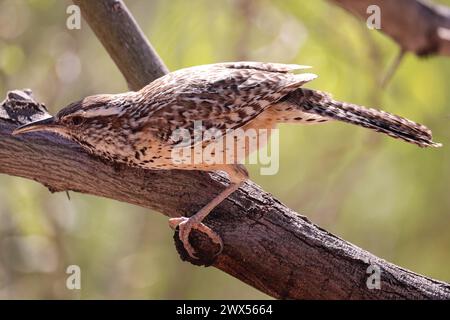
184, 229
185, 226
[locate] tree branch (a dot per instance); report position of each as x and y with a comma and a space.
125, 42
417, 26
267, 245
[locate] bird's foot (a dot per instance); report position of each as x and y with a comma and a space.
185, 226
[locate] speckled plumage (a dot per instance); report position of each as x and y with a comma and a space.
137, 128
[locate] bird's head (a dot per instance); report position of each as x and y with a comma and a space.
87, 121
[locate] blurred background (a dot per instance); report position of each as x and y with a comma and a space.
386, 196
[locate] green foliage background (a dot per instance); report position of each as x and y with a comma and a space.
381, 194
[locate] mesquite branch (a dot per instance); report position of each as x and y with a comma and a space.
417, 26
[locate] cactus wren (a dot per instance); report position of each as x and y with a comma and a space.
136, 128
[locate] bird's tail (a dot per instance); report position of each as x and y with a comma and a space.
312, 101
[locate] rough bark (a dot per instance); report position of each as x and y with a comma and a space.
417, 26
267, 245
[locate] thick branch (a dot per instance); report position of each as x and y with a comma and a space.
267, 245
417, 26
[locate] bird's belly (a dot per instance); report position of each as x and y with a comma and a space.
232, 148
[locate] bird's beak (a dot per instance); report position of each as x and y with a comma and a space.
47, 124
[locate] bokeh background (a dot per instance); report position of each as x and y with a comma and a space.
383, 195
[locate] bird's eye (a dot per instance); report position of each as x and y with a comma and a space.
76, 120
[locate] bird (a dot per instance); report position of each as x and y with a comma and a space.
138, 128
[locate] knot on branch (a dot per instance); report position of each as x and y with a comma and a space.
206, 250
20, 107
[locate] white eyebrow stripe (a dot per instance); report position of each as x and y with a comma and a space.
99, 112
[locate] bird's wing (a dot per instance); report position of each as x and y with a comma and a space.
217, 97
263, 66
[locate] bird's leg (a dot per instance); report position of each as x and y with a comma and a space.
185, 225
237, 176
